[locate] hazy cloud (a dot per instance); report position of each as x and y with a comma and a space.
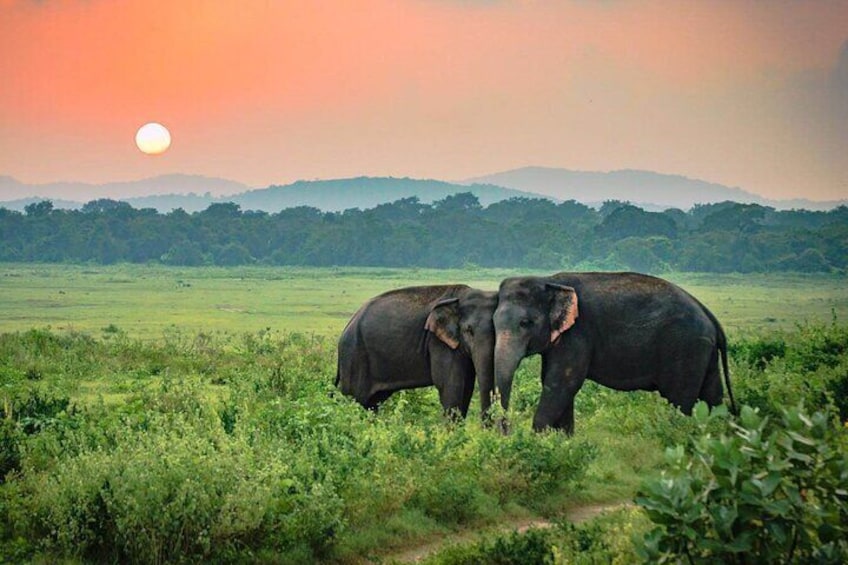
817, 106
745, 93
839, 77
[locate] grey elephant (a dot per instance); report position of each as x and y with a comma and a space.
627, 331
420, 336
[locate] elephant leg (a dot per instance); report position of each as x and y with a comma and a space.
684, 370
376, 399
566, 421
562, 377
453, 376
468, 393
486, 395
711, 389
484, 387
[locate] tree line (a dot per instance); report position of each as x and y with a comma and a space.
449, 233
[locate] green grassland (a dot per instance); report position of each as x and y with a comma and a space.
161, 414
146, 300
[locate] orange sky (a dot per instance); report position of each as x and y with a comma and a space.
750, 94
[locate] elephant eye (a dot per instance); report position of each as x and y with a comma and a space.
525, 323
469, 329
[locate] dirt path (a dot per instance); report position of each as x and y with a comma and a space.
574, 515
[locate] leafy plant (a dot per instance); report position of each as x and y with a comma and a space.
776, 491
604, 539
235, 447
780, 368
533, 546
10, 451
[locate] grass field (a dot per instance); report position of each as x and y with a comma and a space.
147, 415
144, 301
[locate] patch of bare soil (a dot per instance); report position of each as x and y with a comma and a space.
574, 515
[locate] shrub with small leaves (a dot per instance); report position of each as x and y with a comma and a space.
777, 491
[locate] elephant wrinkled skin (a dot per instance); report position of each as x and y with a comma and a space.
420, 336
626, 331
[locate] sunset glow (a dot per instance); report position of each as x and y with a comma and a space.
743, 93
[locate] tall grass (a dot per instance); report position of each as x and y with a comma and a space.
241, 447
234, 447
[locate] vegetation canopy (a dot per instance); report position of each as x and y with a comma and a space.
452, 232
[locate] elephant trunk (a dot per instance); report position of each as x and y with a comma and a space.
507, 358
484, 367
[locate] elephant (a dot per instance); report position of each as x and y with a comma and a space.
626, 331
419, 336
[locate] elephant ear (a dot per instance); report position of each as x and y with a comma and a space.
444, 321
563, 309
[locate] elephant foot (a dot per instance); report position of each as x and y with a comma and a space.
503, 425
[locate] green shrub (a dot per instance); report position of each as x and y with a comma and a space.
450, 497
10, 450
775, 491
183, 492
818, 345
533, 546
778, 370
604, 539
248, 452
635, 415
530, 467
607, 538
26, 411
759, 352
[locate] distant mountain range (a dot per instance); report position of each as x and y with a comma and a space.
652, 191
646, 189
367, 192
11, 188
328, 195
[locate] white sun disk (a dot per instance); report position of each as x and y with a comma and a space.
153, 138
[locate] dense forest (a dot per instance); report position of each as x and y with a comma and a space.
453, 232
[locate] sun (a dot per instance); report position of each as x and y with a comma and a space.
153, 138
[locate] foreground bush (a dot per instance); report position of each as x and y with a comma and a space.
605, 539
774, 491
237, 448
166, 488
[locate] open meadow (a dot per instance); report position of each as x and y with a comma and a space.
145, 301
159, 414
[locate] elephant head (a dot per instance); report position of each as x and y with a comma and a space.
531, 315
464, 324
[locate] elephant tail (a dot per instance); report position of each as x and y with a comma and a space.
722, 348
721, 345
